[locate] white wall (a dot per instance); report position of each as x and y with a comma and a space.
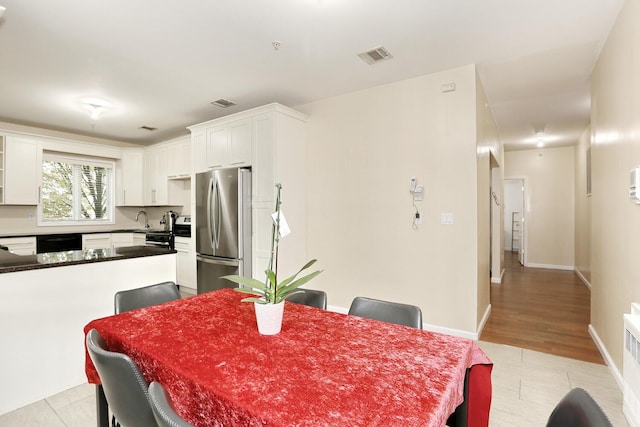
615, 145
363, 149
549, 206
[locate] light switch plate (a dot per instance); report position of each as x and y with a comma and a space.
446, 218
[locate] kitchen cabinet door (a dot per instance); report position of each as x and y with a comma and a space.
180, 159
20, 245
130, 179
185, 264
240, 142
156, 178
121, 240
229, 144
217, 147
96, 241
23, 171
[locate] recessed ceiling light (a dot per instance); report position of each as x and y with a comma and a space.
375, 55
223, 103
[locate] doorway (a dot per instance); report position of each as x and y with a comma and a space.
514, 217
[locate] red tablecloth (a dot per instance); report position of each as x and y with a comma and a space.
323, 369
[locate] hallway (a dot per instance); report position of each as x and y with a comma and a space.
542, 310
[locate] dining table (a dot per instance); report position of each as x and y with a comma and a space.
323, 369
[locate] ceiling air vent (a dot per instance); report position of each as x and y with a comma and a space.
149, 128
374, 55
223, 103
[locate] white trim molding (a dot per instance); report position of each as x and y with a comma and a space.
617, 375
483, 322
584, 279
499, 278
551, 266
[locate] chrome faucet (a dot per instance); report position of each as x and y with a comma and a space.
146, 219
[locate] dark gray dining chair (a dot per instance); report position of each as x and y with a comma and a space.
310, 297
145, 296
162, 408
124, 387
392, 312
578, 409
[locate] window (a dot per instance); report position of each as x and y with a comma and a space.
76, 190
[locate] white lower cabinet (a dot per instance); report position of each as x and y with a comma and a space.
20, 245
96, 241
121, 240
139, 239
185, 265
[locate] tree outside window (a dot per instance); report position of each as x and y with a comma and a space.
75, 190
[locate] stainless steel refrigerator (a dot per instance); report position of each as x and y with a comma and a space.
223, 227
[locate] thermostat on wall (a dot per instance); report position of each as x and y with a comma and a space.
634, 184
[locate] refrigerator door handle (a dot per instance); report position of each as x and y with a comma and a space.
209, 228
208, 260
218, 216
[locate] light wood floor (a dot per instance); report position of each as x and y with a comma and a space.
543, 310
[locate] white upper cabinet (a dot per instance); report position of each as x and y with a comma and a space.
240, 142
130, 178
158, 189
22, 171
180, 159
229, 144
155, 176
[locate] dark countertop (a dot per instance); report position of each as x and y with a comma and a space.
11, 262
43, 233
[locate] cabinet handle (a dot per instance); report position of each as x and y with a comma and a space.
39, 194
124, 197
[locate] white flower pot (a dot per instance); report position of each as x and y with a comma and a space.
269, 317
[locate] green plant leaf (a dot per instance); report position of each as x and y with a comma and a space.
249, 291
288, 280
247, 281
301, 281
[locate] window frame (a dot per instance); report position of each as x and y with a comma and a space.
50, 156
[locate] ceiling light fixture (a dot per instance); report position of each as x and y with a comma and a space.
540, 138
95, 106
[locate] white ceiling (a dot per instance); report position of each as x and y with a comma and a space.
160, 63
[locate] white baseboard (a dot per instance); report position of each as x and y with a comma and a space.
584, 279
433, 328
450, 331
498, 279
337, 309
551, 266
617, 375
483, 322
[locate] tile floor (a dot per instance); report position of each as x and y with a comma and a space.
526, 387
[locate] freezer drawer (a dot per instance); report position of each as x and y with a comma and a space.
211, 269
